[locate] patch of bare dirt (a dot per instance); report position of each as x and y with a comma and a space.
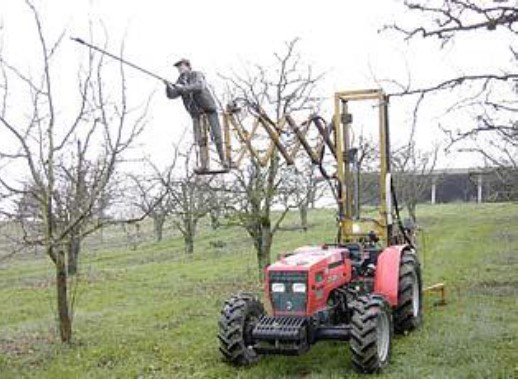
23, 345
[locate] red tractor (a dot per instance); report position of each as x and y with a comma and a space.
360, 289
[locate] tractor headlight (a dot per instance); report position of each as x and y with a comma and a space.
278, 287
299, 287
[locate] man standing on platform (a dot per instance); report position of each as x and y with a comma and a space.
198, 101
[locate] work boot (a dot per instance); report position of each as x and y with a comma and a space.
225, 165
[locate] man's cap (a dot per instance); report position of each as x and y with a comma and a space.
182, 61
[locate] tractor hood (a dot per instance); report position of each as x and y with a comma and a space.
299, 283
304, 258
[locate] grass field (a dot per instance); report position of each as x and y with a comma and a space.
153, 312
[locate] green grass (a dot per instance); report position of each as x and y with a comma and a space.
153, 312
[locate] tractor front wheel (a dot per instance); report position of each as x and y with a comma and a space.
371, 333
408, 313
238, 318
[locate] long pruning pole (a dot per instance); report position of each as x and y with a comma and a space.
142, 70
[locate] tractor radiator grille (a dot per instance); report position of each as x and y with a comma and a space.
288, 301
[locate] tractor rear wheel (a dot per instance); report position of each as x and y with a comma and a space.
371, 333
238, 318
408, 314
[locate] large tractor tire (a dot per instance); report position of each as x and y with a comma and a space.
238, 318
408, 314
371, 333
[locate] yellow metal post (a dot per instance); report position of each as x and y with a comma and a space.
339, 161
383, 165
346, 122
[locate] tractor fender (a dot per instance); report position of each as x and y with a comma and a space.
386, 279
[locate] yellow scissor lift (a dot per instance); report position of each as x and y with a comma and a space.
334, 140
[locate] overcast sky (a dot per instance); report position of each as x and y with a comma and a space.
339, 37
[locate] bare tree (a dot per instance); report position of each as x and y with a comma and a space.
218, 198
445, 19
413, 170
308, 190
365, 167
70, 162
190, 198
492, 97
285, 88
256, 190
177, 192
153, 196
301, 189
152, 199
72, 191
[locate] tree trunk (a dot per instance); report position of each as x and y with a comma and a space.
303, 210
312, 195
412, 205
65, 322
74, 248
158, 224
188, 236
263, 245
189, 244
263, 257
214, 219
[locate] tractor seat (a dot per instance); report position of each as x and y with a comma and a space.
355, 251
372, 254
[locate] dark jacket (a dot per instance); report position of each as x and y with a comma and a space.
195, 94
